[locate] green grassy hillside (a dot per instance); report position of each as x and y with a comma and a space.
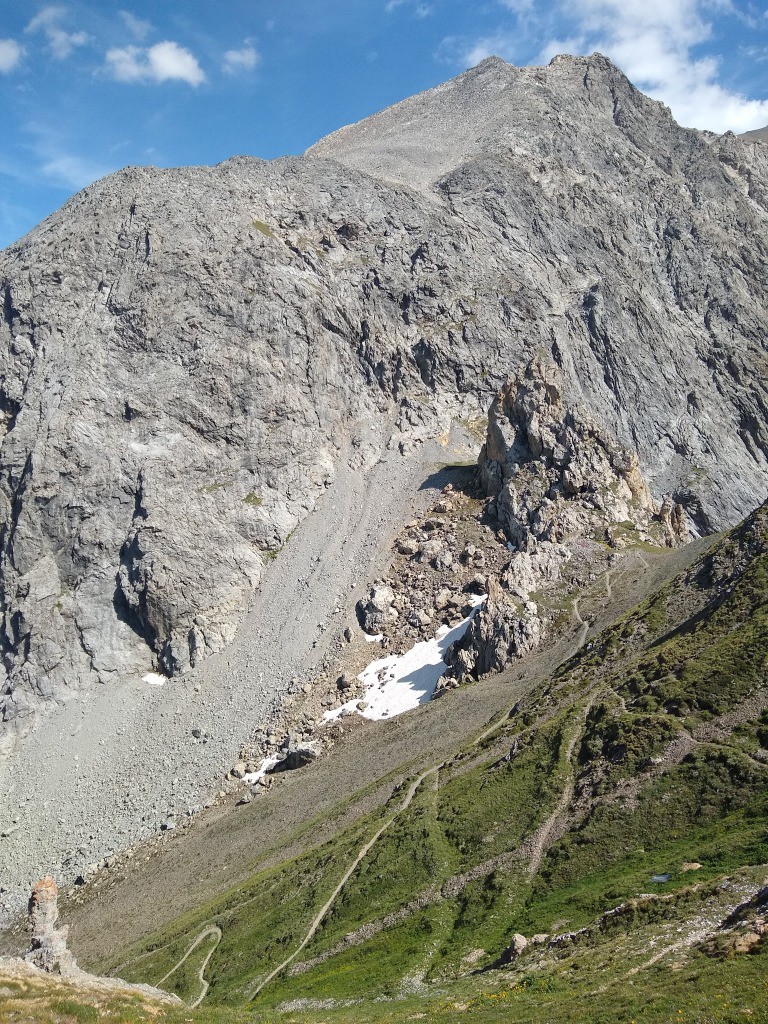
617, 817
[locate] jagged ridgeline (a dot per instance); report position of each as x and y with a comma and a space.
185, 355
597, 853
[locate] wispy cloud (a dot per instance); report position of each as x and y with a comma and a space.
244, 59
420, 10
163, 62
466, 53
519, 7
73, 171
60, 42
50, 158
138, 28
654, 42
10, 55
657, 43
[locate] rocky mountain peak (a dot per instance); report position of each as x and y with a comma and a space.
487, 110
193, 359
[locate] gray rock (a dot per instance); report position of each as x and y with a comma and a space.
49, 944
183, 353
377, 611
300, 754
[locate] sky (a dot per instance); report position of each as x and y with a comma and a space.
89, 86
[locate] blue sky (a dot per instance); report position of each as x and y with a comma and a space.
88, 86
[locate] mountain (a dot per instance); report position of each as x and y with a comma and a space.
758, 135
230, 385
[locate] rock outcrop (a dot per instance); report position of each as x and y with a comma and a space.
186, 354
49, 944
555, 480
49, 956
555, 475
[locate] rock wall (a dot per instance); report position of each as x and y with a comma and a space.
558, 484
185, 353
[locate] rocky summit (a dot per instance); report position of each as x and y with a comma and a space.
504, 341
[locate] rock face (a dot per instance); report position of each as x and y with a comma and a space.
555, 479
555, 474
184, 353
49, 944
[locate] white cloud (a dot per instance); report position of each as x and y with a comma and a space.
469, 52
162, 62
653, 42
73, 171
244, 59
60, 42
10, 54
421, 10
138, 28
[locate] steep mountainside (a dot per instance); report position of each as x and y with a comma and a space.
597, 851
187, 356
240, 387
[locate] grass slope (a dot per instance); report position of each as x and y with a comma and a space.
634, 778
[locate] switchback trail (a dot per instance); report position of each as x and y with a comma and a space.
210, 930
362, 853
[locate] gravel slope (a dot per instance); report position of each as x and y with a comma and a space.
114, 763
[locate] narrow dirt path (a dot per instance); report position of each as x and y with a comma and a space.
584, 626
362, 853
210, 930
541, 839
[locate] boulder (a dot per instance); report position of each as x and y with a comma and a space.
299, 754
378, 610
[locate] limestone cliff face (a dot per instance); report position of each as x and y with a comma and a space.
184, 353
559, 485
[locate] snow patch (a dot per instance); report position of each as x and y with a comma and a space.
154, 679
398, 683
261, 771
373, 639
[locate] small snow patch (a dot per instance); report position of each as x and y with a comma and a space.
398, 683
154, 679
264, 767
373, 639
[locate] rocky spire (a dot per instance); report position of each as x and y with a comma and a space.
49, 944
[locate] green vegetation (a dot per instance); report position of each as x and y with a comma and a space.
265, 229
631, 779
253, 499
